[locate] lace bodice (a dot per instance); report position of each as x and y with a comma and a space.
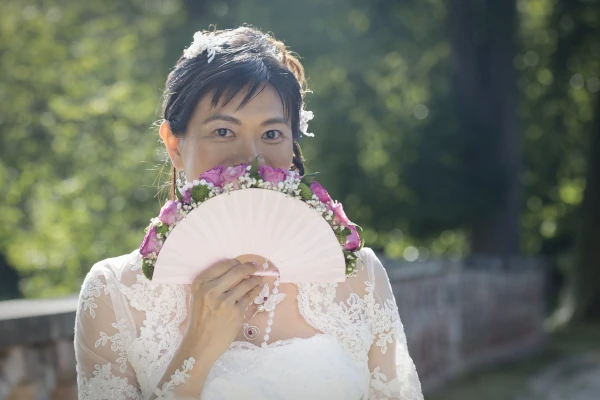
330, 340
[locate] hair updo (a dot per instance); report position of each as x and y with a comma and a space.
246, 57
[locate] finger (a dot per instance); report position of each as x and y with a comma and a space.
216, 270
235, 275
247, 299
238, 291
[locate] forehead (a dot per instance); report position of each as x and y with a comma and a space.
264, 100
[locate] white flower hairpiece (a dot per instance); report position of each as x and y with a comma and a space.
306, 116
202, 41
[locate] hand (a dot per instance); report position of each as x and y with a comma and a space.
219, 297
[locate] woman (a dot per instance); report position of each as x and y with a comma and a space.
235, 95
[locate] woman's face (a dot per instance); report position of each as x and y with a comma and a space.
224, 136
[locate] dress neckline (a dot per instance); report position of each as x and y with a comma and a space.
244, 345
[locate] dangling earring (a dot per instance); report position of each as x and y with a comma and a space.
181, 179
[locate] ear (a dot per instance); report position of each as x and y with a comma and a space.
171, 144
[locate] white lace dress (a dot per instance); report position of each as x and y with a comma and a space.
330, 340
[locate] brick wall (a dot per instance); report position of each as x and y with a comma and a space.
458, 316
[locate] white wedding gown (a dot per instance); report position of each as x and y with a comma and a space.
331, 340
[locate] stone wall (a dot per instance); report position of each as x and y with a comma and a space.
37, 359
458, 316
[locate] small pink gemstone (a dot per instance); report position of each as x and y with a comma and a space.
250, 331
265, 298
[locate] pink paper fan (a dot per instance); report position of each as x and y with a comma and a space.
295, 238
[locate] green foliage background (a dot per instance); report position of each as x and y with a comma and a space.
81, 84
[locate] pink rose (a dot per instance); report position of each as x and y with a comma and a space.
213, 176
339, 216
186, 195
353, 240
321, 193
150, 243
231, 174
168, 213
273, 175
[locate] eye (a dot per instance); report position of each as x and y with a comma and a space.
272, 134
222, 132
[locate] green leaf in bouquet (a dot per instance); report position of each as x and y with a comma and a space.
305, 191
356, 225
200, 193
178, 194
147, 269
162, 228
342, 234
309, 178
254, 169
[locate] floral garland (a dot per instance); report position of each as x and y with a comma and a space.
221, 180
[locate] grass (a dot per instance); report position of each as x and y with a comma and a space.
508, 381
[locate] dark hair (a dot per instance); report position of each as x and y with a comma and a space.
247, 57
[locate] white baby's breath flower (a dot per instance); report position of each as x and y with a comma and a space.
305, 116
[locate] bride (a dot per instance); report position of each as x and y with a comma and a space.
235, 95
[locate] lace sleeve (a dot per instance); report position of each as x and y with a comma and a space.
104, 333
103, 371
393, 373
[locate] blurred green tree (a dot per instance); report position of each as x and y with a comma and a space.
559, 82
483, 33
586, 287
80, 88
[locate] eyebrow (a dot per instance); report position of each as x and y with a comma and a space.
233, 120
